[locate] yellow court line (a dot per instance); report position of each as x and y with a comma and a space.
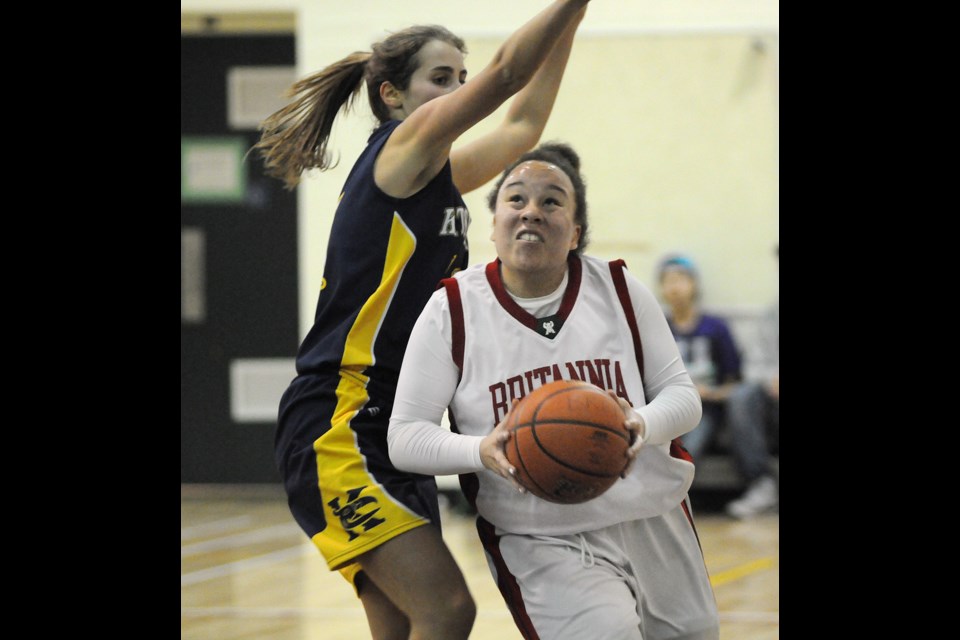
735, 573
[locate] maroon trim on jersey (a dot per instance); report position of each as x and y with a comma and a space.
686, 512
509, 304
493, 277
677, 450
573, 287
506, 582
470, 486
456, 320
469, 482
620, 284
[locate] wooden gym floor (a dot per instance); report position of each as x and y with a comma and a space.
247, 572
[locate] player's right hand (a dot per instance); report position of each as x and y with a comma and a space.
493, 454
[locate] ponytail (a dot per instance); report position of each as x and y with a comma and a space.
294, 139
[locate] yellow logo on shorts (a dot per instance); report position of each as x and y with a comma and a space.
350, 516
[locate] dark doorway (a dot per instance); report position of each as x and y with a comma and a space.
238, 267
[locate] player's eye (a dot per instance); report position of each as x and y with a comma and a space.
552, 204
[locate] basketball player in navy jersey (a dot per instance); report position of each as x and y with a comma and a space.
400, 227
626, 564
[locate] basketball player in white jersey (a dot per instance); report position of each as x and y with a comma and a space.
628, 563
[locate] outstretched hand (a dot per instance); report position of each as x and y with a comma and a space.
493, 453
637, 427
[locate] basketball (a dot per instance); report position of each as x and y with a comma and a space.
568, 442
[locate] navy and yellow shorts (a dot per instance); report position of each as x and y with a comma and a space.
331, 449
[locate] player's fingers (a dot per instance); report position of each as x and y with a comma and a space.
502, 467
620, 401
499, 464
629, 412
516, 483
509, 472
631, 454
511, 406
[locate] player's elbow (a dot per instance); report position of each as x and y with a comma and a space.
507, 76
518, 137
694, 407
395, 449
525, 137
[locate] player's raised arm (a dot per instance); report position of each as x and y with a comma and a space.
420, 146
478, 162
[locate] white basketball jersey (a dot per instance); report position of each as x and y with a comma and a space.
507, 353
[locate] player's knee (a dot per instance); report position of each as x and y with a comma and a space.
453, 614
461, 607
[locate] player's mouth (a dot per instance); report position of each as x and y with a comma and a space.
529, 236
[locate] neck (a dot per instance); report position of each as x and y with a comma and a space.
685, 315
532, 285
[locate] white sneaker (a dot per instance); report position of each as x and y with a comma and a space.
760, 497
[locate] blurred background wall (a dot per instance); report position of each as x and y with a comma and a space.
673, 106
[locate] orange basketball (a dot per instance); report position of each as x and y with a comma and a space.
568, 441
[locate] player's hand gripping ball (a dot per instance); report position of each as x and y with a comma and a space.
568, 441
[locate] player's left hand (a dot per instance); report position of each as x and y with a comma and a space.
638, 428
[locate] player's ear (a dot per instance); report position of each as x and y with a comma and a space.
390, 95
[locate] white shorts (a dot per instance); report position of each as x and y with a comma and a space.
638, 580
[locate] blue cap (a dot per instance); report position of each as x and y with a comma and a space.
678, 262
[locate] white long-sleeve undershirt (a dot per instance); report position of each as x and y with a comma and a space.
428, 381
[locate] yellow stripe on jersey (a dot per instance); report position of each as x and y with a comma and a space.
358, 350
360, 515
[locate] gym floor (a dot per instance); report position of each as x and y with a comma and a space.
247, 571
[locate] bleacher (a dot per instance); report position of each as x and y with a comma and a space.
716, 470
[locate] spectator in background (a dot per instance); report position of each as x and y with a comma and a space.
753, 414
706, 345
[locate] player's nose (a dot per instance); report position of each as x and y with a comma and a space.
531, 213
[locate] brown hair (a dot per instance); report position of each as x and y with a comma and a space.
294, 139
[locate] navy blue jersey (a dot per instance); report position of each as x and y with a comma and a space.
385, 258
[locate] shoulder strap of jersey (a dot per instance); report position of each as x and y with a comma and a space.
620, 284
456, 319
